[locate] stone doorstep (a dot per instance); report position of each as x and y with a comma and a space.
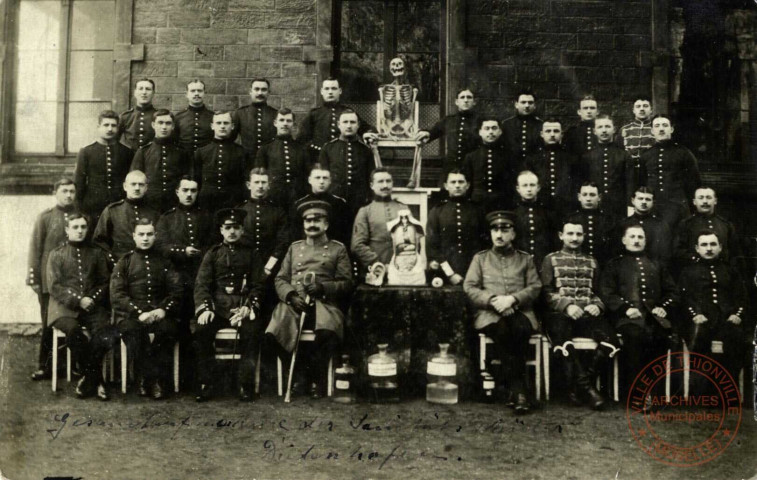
20, 329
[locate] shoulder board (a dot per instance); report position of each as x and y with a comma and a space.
127, 254
301, 199
117, 202
169, 211
59, 247
537, 119
333, 140
241, 205
315, 109
47, 210
297, 241
337, 242
129, 110
339, 198
482, 252
523, 252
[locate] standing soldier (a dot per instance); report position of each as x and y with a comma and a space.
285, 160
115, 229
49, 233
658, 239
220, 166
579, 139
228, 294
636, 137
145, 291
597, 226
254, 123
639, 294
489, 169
135, 127
349, 161
101, 168
522, 130
460, 132
193, 123
340, 224
163, 163
328, 261
456, 230
670, 170
78, 279
534, 223
610, 168
503, 284
321, 125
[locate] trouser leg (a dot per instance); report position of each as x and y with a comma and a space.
511, 335
324, 348
44, 359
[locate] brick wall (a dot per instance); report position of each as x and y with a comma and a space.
563, 49
226, 43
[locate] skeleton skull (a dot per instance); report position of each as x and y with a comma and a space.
397, 67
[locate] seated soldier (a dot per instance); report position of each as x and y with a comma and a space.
639, 294
456, 230
597, 224
658, 238
713, 301
77, 276
145, 291
328, 261
570, 280
228, 292
534, 223
503, 283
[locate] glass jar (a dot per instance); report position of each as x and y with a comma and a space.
441, 374
344, 382
382, 376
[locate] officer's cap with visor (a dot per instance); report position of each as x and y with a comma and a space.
230, 216
314, 209
501, 218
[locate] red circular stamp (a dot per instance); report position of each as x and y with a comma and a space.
678, 426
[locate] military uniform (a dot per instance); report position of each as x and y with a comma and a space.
580, 139
460, 132
456, 231
633, 280
164, 164
597, 230
523, 135
99, 176
75, 271
142, 281
636, 138
688, 232
265, 230
115, 229
558, 177
371, 241
491, 174
715, 289
671, 171
321, 125
611, 168
659, 240
254, 124
535, 230
340, 220
49, 232
350, 163
286, 161
193, 127
135, 126
220, 168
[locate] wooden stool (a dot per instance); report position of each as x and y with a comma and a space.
535, 340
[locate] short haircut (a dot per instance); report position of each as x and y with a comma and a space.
143, 222
188, 178
260, 79
145, 79
568, 221
552, 120
61, 182
665, 116
525, 173
633, 225
160, 113
107, 114
258, 171
645, 97
706, 187
707, 232
347, 111
589, 183
643, 189
195, 80
76, 216
286, 111
222, 112
319, 166
588, 97
454, 171
487, 118
604, 116
136, 172
330, 79
523, 91
379, 170
465, 89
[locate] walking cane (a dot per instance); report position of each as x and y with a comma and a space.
309, 278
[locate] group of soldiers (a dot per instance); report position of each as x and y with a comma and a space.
587, 234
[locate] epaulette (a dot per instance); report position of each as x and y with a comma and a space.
169, 211
129, 110
145, 146
337, 242
333, 140
63, 244
482, 252
339, 198
48, 210
538, 119
117, 202
521, 251
297, 241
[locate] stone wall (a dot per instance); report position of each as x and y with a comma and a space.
562, 49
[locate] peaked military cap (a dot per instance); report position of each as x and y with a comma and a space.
505, 218
230, 216
314, 208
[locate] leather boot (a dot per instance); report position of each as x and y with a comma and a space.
585, 387
142, 388
570, 378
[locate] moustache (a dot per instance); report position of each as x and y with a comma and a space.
313, 229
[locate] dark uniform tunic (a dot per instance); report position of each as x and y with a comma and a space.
286, 161
490, 170
220, 168
556, 169
164, 164
193, 127
99, 176
350, 163
254, 124
321, 125
580, 139
671, 171
535, 230
135, 126
142, 281
115, 229
340, 219
659, 245
598, 228
460, 132
265, 230
229, 277
716, 290
611, 168
688, 232
456, 231
523, 135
